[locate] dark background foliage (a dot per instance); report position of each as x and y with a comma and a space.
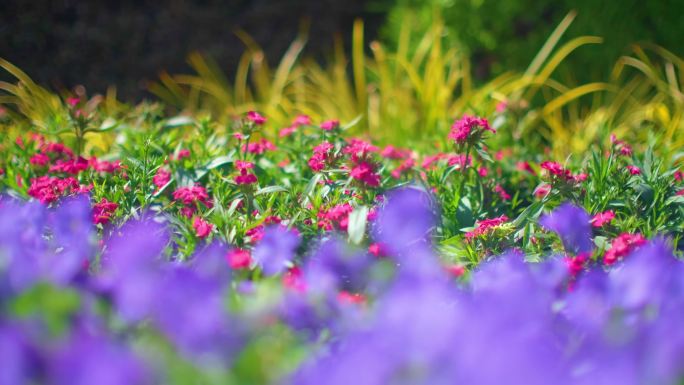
63, 43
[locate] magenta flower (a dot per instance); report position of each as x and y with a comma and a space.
103, 211
634, 170
243, 165
502, 193
468, 127
161, 178
191, 195
239, 259
621, 246
202, 227
301, 120
365, 173
485, 226
555, 169
330, 125
601, 219
245, 178
256, 118
39, 159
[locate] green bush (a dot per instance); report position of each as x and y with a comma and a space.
504, 35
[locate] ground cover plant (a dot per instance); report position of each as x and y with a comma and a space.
205, 242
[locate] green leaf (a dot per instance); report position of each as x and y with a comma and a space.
270, 189
219, 161
108, 125
179, 121
357, 224
352, 123
483, 154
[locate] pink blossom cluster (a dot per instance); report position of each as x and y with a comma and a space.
468, 127
484, 226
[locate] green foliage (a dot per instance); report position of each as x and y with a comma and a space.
503, 35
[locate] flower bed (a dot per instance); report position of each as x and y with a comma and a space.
190, 253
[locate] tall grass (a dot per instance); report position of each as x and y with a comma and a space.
405, 94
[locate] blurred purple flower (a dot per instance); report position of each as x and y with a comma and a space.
87, 359
189, 309
403, 225
572, 224
131, 267
276, 249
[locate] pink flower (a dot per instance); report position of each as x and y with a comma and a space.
621, 246
255, 233
256, 118
191, 195
48, 189
601, 219
259, 147
622, 147
461, 129
287, 131
391, 152
72, 166
455, 270
103, 165
330, 125
358, 149
482, 171
678, 176
542, 190
554, 168
103, 211
320, 156
293, 280
428, 161
161, 178
301, 120
484, 226
182, 154
406, 165
57, 149
634, 170
376, 249
239, 259
502, 193
459, 160
525, 166
336, 215
202, 227
243, 165
576, 264
501, 106
73, 102
39, 159
365, 173
581, 177
351, 298
245, 178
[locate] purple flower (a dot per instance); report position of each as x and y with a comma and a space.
87, 359
572, 224
131, 267
189, 309
73, 234
16, 357
276, 249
